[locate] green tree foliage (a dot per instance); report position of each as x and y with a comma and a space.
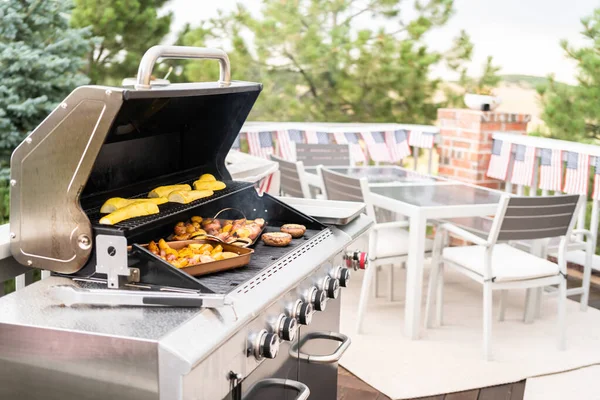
40, 60
573, 112
125, 30
334, 60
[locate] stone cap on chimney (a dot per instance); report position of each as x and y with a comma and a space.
483, 116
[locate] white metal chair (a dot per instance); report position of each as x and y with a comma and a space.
388, 242
502, 267
293, 183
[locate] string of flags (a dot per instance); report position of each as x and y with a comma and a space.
559, 171
384, 147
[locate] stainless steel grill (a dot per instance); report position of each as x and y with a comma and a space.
246, 332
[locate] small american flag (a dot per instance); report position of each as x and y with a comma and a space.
550, 169
351, 139
313, 137
596, 194
499, 162
420, 139
285, 143
522, 173
576, 175
378, 150
260, 144
397, 143
236, 143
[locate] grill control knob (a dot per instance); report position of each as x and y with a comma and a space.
285, 327
302, 311
317, 298
341, 273
263, 345
331, 286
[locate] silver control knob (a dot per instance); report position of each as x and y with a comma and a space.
342, 274
285, 327
317, 298
300, 310
263, 345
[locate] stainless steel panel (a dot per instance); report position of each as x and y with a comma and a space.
56, 365
49, 169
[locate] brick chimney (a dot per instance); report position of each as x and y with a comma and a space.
466, 142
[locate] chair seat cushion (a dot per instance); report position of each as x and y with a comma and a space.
393, 242
508, 263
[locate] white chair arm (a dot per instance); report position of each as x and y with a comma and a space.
465, 234
585, 232
393, 224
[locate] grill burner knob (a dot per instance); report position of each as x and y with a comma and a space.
331, 286
285, 327
317, 297
341, 273
264, 345
302, 311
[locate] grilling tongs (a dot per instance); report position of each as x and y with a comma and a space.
72, 295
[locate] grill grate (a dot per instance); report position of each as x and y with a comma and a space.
166, 210
263, 257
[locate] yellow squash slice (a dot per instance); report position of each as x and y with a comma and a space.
115, 203
209, 185
136, 209
163, 191
207, 178
187, 196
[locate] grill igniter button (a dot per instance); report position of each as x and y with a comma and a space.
302, 311
342, 274
263, 345
317, 298
286, 327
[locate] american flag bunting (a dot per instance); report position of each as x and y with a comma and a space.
523, 167
313, 137
285, 143
351, 139
378, 150
397, 143
576, 174
236, 143
420, 139
499, 161
550, 169
265, 184
260, 144
596, 194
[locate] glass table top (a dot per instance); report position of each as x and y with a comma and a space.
380, 174
439, 195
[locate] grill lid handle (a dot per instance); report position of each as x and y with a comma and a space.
181, 52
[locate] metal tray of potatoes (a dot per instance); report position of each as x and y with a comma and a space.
243, 258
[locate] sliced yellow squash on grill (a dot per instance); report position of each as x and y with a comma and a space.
207, 178
115, 203
187, 196
133, 210
209, 185
163, 191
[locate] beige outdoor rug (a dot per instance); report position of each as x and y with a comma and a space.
577, 384
449, 359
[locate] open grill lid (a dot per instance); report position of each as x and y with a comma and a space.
107, 141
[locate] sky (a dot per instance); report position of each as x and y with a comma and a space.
522, 35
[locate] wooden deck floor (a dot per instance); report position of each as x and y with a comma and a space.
352, 388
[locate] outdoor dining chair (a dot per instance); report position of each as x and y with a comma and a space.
499, 266
388, 241
293, 182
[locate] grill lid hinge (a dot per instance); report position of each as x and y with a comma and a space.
111, 259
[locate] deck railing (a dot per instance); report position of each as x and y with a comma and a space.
587, 218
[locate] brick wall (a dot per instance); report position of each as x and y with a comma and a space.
466, 141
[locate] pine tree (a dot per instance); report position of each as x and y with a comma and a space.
316, 65
40, 60
126, 29
572, 112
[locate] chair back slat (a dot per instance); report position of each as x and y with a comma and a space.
528, 218
341, 187
291, 183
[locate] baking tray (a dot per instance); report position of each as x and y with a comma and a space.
328, 212
243, 258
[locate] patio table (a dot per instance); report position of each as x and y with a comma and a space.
419, 197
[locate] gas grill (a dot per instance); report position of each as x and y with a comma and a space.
266, 330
